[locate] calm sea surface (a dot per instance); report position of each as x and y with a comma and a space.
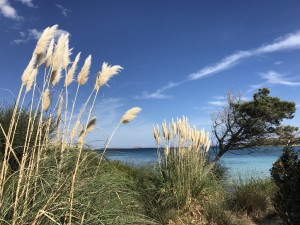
252, 162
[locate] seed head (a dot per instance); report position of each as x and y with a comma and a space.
130, 115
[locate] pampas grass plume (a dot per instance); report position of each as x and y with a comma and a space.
70, 74
130, 115
85, 70
67, 53
58, 55
91, 125
59, 110
31, 79
156, 134
55, 76
74, 130
105, 74
44, 40
48, 59
46, 99
26, 76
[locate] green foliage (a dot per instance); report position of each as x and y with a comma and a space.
19, 138
104, 193
286, 175
252, 196
263, 114
250, 123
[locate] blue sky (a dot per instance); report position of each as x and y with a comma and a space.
179, 57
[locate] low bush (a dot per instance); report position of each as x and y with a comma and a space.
251, 196
286, 175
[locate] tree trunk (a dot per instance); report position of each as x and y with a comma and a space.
222, 150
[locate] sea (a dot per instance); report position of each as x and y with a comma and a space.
251, 162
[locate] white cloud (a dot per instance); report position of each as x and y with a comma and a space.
224, 64
34, 34
154, 95
28, 3
288, 42
273, 77
217, 103
8, 11
158, 94
63, 10
278, 62
219, 97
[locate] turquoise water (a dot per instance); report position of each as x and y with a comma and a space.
254, 162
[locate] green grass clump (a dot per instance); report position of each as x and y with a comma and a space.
46, 176
252, 196
103, 195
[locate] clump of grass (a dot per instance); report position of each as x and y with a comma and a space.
252, 196
182, 164
49, 185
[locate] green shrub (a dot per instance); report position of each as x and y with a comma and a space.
251, 196
19, 137
103, 194
286, 175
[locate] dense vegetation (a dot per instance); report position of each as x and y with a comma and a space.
251, 123
286, 176
49, 176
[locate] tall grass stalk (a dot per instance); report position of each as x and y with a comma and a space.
43, 190
183, 165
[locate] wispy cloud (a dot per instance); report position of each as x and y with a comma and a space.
29, 3
273, 77
217, 103
288, 42
278, 62
159, 94
63, 10
34, 34
8, 11
224, 64
108, 111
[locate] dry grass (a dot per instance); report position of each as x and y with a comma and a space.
182, 161
50, 107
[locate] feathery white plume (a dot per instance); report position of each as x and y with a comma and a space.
28, 71
105, 74
85, 70
70, 74
58, 55
31, 79
48, 59
130, 115
46, 99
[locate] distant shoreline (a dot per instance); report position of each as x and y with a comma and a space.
238, 148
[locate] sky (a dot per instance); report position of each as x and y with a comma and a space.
179, 57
